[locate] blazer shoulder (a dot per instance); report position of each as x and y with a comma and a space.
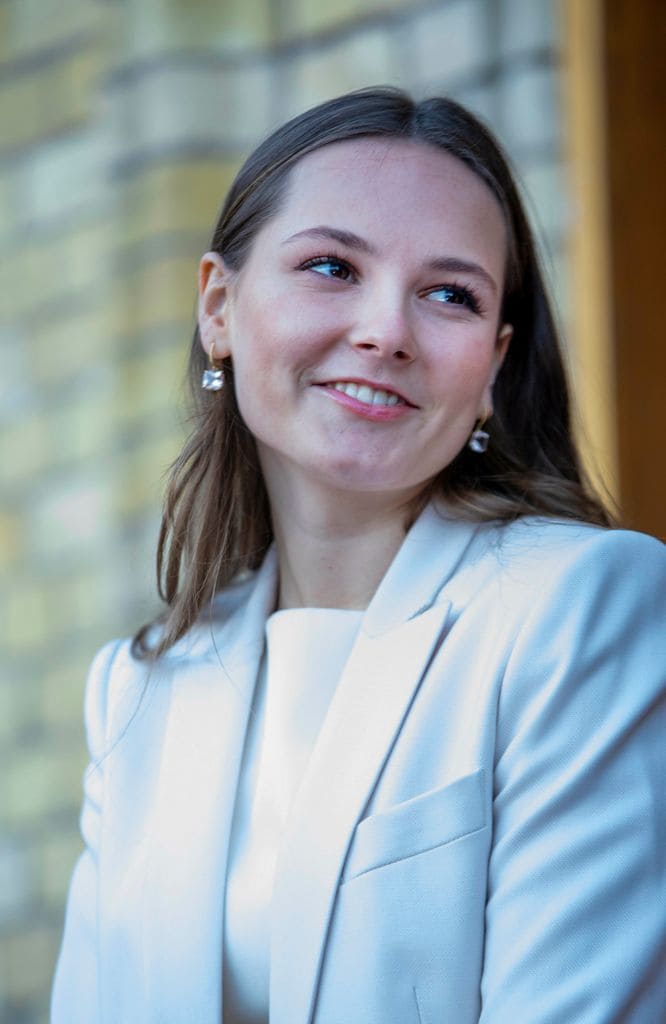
592, 594
115, 683
521, 570
199, 640
547, 548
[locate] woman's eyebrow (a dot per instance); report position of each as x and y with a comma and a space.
447, 264
454, 265
347, 238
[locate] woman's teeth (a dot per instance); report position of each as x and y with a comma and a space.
367, 395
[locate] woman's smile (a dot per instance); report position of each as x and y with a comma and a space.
363, 398
367, 394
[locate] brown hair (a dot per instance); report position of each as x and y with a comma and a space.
216, 521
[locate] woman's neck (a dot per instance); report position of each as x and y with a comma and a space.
333, 555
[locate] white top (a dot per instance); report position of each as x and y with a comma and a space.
306, 650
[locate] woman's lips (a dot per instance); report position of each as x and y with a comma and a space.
368, 392
369, 400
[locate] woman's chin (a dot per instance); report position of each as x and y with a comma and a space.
351, 480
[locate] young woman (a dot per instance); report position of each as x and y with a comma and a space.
392, 752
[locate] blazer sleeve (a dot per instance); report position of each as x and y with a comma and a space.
575, 914
75, 998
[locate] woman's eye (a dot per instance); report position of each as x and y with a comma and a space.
329, 266
455, 296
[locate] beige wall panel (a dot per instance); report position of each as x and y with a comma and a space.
56, 99
44, 271
150, 28
364, 60
42, 26
305, 17
176, 197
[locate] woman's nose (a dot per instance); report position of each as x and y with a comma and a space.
384, 330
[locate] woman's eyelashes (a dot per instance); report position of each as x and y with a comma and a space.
455, 295
329, 266
448, 294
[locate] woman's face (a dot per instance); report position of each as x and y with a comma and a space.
364, 327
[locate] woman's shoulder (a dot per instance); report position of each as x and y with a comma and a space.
560, 545
521, 568
113, 676
200, 639
561, 572
120, 680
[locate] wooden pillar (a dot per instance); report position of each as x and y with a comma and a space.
615, 99
590, 316
634, 33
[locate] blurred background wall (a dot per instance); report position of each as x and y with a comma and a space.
122, 123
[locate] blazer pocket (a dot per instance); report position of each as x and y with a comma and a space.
426, 821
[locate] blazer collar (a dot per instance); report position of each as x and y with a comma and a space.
426, 560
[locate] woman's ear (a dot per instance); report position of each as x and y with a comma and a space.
214, 282
504, 336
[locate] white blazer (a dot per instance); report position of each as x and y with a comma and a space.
479, 835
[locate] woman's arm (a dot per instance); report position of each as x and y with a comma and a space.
575, 915
75, 990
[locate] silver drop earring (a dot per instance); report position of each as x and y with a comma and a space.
478, 442
213, 376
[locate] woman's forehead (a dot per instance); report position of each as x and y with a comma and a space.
389, 187
372, 161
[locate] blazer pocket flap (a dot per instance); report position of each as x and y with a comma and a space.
431, 819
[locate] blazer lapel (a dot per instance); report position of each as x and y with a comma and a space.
398, 637
210, 704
